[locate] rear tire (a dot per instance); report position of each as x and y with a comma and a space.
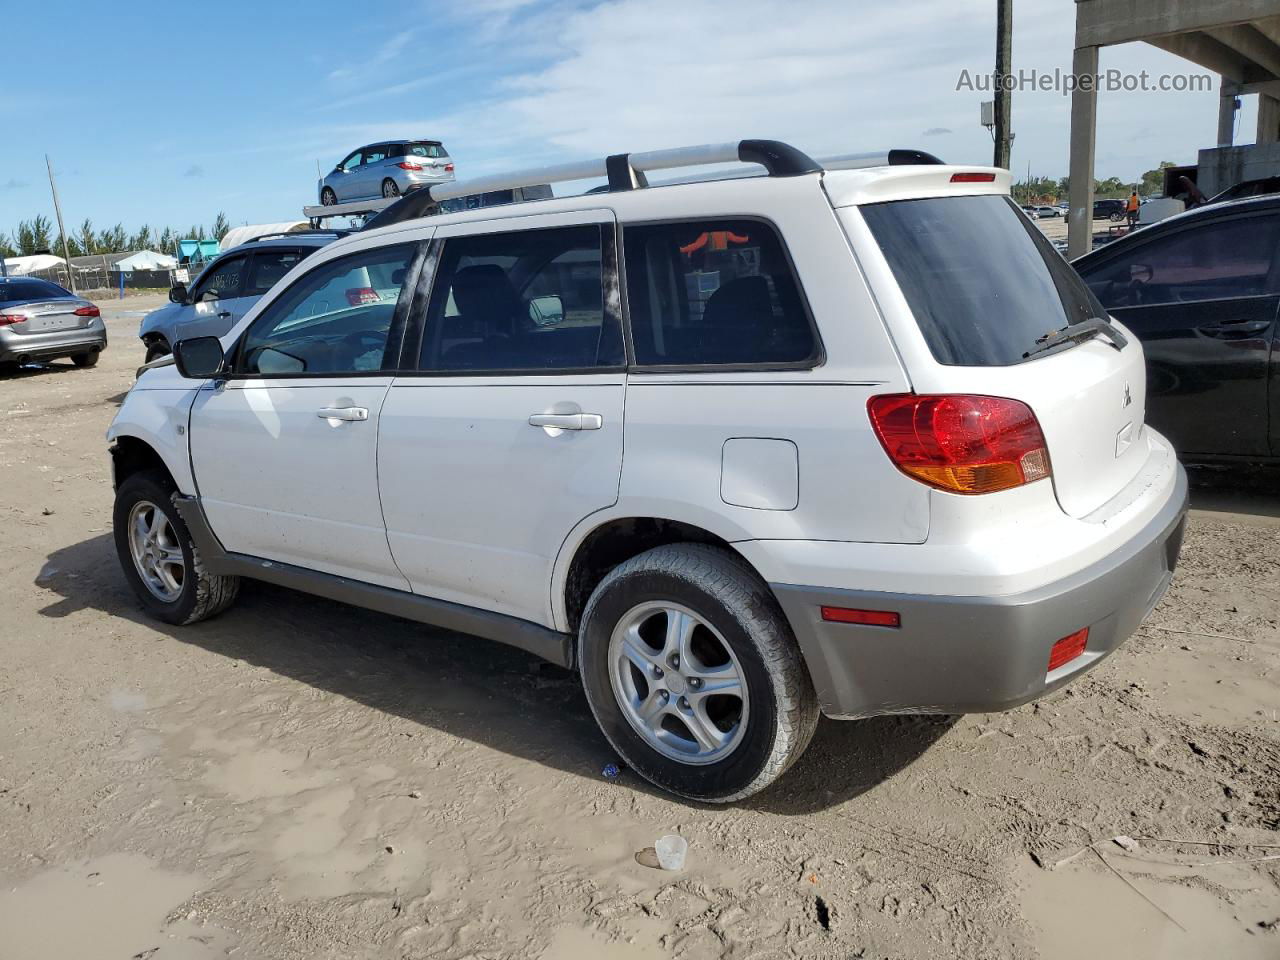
1115, 217
734, 744
327, 197
164, 569
390, 189
85, 359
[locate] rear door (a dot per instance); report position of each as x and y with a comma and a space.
982, 287
1203, 300
508, 432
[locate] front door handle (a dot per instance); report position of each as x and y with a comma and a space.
343, 413
567, 421
1239, 325
224, 314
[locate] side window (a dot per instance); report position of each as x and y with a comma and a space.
531, 300
1230, 258
224, 279
714, 292
351, 162
267, 267
374, 154
332, 320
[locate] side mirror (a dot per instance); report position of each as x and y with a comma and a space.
544, 311
178, 293
199, 358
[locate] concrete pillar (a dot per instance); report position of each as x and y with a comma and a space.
1268, 119
1227, 105
1084, 133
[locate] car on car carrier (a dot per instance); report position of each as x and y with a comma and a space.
885, 453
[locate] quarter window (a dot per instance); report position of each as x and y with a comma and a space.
714, 292
1230, 258
526, 301
333, 320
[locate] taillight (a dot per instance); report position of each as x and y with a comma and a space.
89, 311
1068, 648
449, 167
973, 177
406, 165
961, 443
361, 295
8, 318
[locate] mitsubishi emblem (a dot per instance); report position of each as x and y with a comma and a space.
1128, 398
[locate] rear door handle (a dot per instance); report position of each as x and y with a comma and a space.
1239, 325
567, 421
343, 413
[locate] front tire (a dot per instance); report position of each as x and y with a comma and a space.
157, 349
693, 674
157, 555
1116, 217
390, 189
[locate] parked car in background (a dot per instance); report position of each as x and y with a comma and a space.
897, 509
387, 169
226, 288
40, 320
1201, 290
1047, 213
1113, 210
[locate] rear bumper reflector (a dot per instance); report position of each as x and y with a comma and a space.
1068, 648
870, 618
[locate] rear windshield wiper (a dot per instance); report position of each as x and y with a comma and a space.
1079, 333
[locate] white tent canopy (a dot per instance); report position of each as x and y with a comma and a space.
145, 260
18, 266
238, 235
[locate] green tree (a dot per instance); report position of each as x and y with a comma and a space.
220, 226
73, 246
7, 249
1152, 182
168, 240
87, 238
142, 240
113, 240
34, 235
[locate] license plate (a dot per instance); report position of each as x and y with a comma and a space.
55, 322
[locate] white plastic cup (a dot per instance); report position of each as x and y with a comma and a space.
671, 850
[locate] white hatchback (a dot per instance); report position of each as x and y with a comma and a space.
847, 438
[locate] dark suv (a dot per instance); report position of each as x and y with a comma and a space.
1112, 210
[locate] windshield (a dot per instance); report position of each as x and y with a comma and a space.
432, 150
983, 282
15, 291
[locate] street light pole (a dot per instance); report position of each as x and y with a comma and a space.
62, 231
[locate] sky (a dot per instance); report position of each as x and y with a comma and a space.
170, 114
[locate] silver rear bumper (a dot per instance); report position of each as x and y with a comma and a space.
981, 654
52, 344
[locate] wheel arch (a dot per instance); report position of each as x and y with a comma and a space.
600, 543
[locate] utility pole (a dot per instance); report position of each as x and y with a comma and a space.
1004, 55
62, 231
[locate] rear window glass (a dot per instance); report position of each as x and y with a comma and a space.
714, 292
12, 291
982, 280
433, 150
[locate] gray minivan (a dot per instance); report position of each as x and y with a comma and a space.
387, 169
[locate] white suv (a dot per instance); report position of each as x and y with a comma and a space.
847, 439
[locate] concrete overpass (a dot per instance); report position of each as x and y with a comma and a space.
1237, 39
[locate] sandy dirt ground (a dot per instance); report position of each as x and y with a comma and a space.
298, 779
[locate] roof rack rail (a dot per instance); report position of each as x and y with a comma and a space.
628, 171
335, 232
